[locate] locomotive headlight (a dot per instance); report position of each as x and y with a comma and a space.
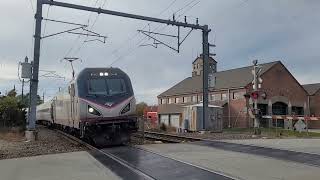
101, 74
126, 109
93, 111
106, 74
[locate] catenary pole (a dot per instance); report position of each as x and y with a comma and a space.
35, 74
121, 14
205, 36
37, 36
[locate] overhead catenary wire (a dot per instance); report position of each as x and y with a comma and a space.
31, 4
137, 33
44, 28
144, 38
90, 29
75, 42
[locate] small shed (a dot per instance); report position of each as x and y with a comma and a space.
193, 120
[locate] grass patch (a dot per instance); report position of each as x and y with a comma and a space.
274, 132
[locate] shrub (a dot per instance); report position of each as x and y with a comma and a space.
11, 113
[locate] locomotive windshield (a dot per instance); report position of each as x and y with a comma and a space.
108, 87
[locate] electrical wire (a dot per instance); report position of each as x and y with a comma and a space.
31, 4
44, 28
142, 40
45, 24
137, 33
75, 42
90, 29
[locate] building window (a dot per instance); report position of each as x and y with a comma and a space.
200, 98
163, 101
224, 96
194, 99
215, 97
177, 100
297, 110
171, 101
185, 99
279, 108
211, 97
237, 95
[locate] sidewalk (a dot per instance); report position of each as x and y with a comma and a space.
76, 165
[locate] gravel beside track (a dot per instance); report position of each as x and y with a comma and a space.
214, 136
49, 142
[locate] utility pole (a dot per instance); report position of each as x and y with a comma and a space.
37, 36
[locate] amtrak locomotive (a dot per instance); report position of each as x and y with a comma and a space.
98, 105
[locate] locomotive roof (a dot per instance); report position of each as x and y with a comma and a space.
113, 69
100, 69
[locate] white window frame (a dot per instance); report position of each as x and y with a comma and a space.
226, 96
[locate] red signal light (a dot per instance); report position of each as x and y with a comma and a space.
254, 95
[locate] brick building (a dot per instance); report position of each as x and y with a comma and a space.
314, 102
285, 95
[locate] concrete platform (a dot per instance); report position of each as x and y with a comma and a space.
235, 164
298, 145
66, 166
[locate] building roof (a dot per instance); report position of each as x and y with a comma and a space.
201, 105
312, 88
233, 78
201, 56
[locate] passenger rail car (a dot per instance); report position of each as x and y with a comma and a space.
98, 104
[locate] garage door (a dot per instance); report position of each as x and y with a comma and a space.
164, 119
174, 120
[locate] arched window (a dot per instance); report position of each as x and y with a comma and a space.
279, 108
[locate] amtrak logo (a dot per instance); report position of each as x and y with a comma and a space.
109, 104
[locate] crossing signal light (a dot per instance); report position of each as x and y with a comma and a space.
254, 95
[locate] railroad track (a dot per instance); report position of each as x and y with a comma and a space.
116, 164
133, 163
169, 138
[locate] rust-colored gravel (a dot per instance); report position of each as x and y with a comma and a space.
13, 145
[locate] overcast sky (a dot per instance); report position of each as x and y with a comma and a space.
243, 30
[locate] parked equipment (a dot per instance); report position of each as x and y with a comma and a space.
192, 117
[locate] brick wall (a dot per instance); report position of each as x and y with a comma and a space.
279, 82
315, 110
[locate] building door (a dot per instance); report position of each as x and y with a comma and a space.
174, 120
279, 108
164, 118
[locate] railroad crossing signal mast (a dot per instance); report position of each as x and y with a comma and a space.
37, 36
256, 85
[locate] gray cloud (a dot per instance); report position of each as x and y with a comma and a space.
284, 30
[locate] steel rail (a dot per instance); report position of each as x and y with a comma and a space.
109, 155
172, 136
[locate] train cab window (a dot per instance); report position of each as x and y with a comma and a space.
116, 86
97, 86
107, 86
